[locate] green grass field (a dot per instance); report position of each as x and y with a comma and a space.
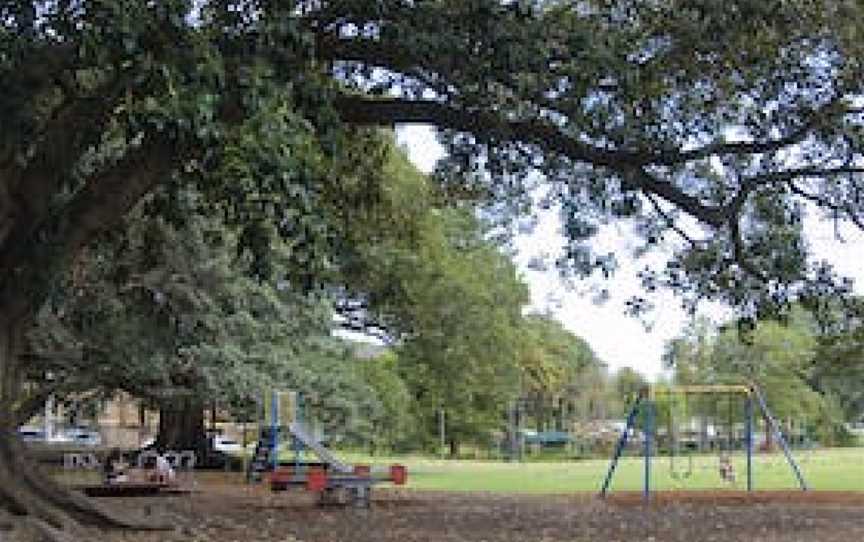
835, 469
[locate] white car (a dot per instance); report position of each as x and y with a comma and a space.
31, 434
226, 445
83, 436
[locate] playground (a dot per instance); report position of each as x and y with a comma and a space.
295, 489
224, 509
556, 501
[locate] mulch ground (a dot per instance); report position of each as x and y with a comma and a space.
738, 498
227, 513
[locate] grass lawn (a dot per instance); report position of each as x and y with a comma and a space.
833, 469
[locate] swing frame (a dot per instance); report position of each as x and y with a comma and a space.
645, 405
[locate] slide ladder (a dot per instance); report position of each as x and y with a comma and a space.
262, 460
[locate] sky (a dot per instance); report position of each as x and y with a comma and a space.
618, 339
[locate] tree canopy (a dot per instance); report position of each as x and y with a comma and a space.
781, 358
463, 302
736, 118
169, 315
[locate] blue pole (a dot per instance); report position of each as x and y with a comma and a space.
619, 447
298, 446
748, 439
649, 430
274, 429
779, 434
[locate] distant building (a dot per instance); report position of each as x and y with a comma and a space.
122, 421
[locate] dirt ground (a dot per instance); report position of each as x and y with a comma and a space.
226, 513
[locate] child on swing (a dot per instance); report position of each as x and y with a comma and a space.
727, 470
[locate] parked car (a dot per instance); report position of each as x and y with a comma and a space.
84, 436
31, 434
225, 445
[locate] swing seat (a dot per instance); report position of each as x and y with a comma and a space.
681, 475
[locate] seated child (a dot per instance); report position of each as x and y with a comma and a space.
164, 471
727, 470
115, 468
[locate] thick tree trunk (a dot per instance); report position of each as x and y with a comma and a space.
26, 266
454, 448
39, 503
181, 425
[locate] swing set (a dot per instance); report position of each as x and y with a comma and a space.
678, 407
676, 400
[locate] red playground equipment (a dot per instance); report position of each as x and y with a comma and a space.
335, 481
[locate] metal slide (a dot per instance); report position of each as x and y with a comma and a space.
298, 432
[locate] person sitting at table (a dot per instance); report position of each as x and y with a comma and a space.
115, 467
164, 471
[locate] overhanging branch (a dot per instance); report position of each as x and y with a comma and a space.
106, 197
823, 202
382, 111
814, 119
73, 127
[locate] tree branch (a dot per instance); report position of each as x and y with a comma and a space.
380, 111
815, 118
389, 56
670, 222
792, 174
825, 203
72, 128
355, 317
103, 200
355, 109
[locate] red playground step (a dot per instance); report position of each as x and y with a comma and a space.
317, 479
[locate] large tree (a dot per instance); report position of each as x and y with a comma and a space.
838, 370
734, 116
562, 378
169, 314
780, 357
461, 307
173, 308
